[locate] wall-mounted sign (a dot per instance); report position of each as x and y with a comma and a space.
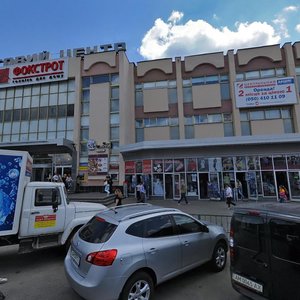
32, 73
97, 164
265, 92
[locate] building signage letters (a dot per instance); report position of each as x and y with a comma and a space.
77, 52
265, 92
30, 73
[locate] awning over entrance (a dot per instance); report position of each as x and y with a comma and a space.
42, 147
225, 146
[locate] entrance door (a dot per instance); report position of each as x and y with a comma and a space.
203, 184
252, 185
281, 179
214, 186
176, 187
169, 190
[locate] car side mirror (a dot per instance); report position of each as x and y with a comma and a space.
204, 228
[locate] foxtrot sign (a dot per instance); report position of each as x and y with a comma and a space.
265, 92
34, 72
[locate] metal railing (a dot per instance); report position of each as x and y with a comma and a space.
222, 220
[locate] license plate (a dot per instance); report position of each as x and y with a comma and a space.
75, 257
248, 283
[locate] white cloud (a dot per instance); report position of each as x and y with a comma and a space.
297, 28
175, 16
291, 8
172, 39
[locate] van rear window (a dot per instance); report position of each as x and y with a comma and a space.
285, 239
97, 230
248, 231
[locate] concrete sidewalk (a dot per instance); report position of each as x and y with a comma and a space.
199, 207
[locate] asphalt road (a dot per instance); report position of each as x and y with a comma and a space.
40, 275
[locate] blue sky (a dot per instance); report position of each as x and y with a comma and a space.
151, 29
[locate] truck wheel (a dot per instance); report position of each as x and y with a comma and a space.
219, 258
138, 286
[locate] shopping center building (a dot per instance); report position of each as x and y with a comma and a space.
209, 119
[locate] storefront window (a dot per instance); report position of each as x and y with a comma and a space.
158, 189
179, 165
295, 184
279, 162
253, 163
168, 165
266, 163
240, 163
268, 184
191, 164
293, 162
227, 163
192, 186
202, 165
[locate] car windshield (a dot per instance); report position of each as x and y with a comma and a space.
97, 230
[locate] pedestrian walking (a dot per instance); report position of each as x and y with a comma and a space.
106, 187
229, 196
118, 197
142, 192
239, 188
138, 192
183, 190
282, 194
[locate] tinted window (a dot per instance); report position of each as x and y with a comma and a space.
97, 230
152, 227
158, 227
186, 224
285, 239
248, 231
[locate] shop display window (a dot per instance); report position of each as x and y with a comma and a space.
280, 162
191, 164
179, 165
227, 163
240, 163
202, 164
168, 165
253, 163
266, 163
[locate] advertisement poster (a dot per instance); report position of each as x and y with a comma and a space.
138, 167
129, 167
147, 166
157, 166
97, 164
179, 165
168, 165
10, 168
265, 92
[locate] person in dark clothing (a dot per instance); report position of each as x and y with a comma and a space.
118, 197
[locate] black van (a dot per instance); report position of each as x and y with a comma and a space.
265, 250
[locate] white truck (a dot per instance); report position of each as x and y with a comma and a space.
36, 215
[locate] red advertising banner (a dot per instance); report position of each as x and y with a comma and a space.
129, 167
147, 166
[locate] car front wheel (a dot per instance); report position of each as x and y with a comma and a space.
219, 257
138, 287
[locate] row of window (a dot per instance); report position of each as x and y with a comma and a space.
37, 113
38, 89
266, 73
208, 118
110, 78
266, 114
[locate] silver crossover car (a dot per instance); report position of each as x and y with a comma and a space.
123, 252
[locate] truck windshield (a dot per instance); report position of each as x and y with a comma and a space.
66, 195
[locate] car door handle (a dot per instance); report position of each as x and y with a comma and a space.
152, 250
186, 243
35, 213
262, 263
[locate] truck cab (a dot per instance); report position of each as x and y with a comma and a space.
48, 218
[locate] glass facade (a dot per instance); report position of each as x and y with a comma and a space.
37, 113
206, 176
